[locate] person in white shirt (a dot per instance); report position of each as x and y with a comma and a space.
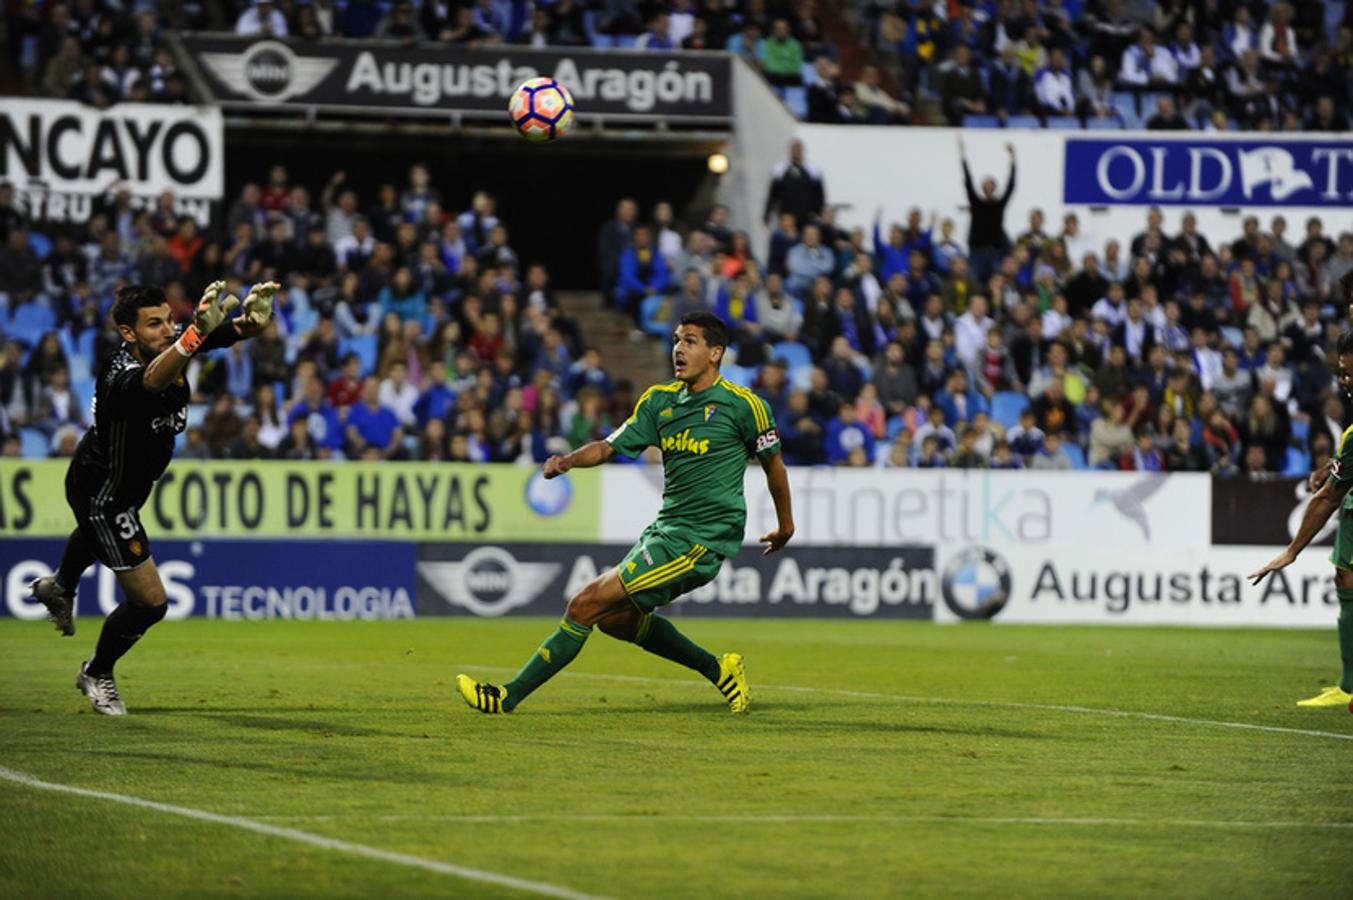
1145, 64
1277, 40
399, 394
1076, 241
1274, 369
1052, 86
1187, 56
262, 18
970, 330
680, 21
1055, 319
1110, 309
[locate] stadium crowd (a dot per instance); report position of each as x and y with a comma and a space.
403, 330
1049, 348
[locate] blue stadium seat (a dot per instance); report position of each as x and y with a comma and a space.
31, 321
743, 376
1103, 124
40, 244
1301, 431
67, 345
1006, 407
792, 353
808, 72
796, 98
1064, 123
1077, 455
83, 389
1232, 335
896, 425
1023, 122
1296, 464
84, 345
626, 41
33, 444
1126, 106
650, 310
981, 122
364, 345
602, 41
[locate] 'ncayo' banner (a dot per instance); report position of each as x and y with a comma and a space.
391, 501
302, 580
1196, 172
493, 580
389, 77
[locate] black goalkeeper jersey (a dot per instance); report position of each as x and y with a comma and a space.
132, 439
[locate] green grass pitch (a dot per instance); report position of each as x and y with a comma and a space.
627, 776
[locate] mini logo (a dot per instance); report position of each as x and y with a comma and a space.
548, 497
666, 413
710, 411
269, 71
976, 583
489, 581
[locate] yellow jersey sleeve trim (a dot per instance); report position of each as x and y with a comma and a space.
758, 411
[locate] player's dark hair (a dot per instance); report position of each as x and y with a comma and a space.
716, 332
132, 298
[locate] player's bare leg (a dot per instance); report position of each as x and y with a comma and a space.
145, 605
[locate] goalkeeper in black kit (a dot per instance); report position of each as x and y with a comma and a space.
140, 405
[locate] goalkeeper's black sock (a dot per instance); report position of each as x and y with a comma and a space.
74, 561
123, 628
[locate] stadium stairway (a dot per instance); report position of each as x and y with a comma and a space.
643, 362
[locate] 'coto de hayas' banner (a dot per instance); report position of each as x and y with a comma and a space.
390, 501
1092, 584
392, 78
302, 580
532, 579
1199, 172
60, 155
1263, 512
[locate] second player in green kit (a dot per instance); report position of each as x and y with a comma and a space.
707, 429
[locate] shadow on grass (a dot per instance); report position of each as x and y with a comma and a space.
401, 775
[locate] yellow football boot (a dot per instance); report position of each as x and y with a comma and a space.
1330, 696
487, 698
732, 683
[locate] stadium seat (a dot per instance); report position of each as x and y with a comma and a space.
796, 98
743, 376
1296, 463
793, 354
40, 244
896, 425
1126, 106
1023, 122
651, 316
1006, 407
808, 72
83, 389
1103, 124
364, 345
1064, 123
1301, 431
67, 345
602, 41
981, 122
33, 444
31, 321
626, 41
1077, 455
1232, 335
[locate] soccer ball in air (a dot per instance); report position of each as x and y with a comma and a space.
541, 109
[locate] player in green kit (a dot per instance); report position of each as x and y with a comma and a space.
1332, 495
707, 429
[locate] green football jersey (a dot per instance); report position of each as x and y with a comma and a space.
1341, 469
706, 439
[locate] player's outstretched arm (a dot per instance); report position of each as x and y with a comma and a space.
1328, 499
211, 313
586, 456
777, 482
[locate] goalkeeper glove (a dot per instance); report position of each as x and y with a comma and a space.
210, 314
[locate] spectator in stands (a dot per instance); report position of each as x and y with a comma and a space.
1053, 88
987, 239
1094, 86
796, 188
1008, 86
320, 433
881, 109
961, 90
614, 238
642, 272
1277, 40
1167, 117
262, 18
782, 56
1146, 66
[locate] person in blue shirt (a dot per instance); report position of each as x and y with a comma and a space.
845, 434
403, 298
322, 422
372, 425
437, 399
643, 272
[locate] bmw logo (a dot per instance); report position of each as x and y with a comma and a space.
549, 497
976, 583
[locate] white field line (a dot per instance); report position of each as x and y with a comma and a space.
829, 819
303, 837
943, 701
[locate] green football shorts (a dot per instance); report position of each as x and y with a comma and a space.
662, 566
1342, 554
